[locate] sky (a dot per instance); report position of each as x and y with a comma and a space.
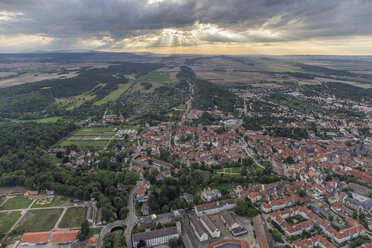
277, 27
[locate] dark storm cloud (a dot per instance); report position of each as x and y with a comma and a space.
118, 19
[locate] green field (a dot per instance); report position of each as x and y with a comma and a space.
39, 220
45, 120
16, 203
7, 220
73, 217
155, 76
45, 203
87, 137
114, 95
181, 107
229, 170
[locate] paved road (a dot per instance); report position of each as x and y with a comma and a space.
130, 221
106, 229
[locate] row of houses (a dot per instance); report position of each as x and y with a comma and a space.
352, 232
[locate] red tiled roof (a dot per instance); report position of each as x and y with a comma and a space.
65, 236
36, 237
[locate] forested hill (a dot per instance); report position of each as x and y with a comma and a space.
209, 95
35, 100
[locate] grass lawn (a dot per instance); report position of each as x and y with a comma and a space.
181, 107
73, 217
47, 203
16, 203
39, 220
256, 167
235, 170
7, 220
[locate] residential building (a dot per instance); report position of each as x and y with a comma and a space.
316, 241
209, 195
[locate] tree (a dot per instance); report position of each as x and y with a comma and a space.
362, 216
123, 213
243, 171
277, 236
84, 231
141, 243
301, 192
131, 177
174, 243
289, 160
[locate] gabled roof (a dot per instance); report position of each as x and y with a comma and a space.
65, 236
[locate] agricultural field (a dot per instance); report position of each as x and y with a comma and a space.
155, 76
39, 220
44, 120
90, 137
16, 203
7, 220
73, 217
44, 203
114, 95
149, 82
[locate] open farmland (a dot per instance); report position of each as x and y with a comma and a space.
44, 120
87, 137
